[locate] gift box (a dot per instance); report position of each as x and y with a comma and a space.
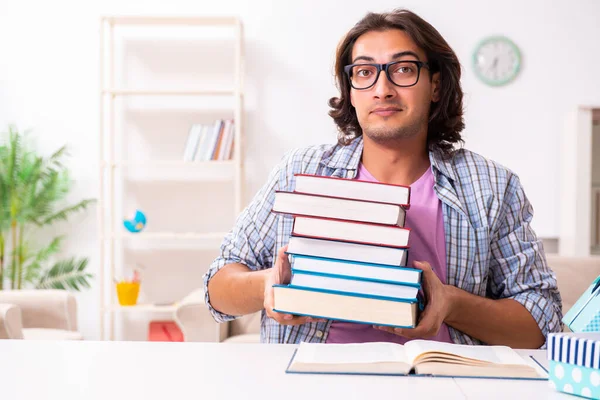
584, 316
574, 363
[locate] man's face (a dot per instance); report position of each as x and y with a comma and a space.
387, 112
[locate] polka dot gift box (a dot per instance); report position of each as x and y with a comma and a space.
584, 316
574, 363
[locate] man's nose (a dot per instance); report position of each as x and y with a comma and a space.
383, 87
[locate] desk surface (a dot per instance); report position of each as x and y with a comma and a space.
137, 370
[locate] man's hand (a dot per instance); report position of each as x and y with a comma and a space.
281, 273
437, 309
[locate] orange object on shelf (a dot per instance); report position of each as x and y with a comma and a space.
127, 293
164, 331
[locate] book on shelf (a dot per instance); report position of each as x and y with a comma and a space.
354, 269
353, 189
210, 142
335, 249
315, 205
415, 358
344, 306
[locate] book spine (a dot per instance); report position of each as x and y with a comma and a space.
356, 278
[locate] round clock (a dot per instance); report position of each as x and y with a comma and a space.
496, 60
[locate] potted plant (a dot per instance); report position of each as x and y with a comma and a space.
33, 189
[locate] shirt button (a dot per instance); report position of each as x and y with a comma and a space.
319, 334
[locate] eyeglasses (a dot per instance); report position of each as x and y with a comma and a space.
400, 73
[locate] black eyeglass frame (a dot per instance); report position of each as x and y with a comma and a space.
385, 67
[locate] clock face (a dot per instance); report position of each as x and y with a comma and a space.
496, 61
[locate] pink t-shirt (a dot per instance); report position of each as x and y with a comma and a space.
427, 243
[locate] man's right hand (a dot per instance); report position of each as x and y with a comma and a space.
281, 273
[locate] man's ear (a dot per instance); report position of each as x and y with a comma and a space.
436, 87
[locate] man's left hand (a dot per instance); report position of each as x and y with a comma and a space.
437, 309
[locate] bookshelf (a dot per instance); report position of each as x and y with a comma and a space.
116, 167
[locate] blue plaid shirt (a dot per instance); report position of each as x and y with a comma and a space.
492, 251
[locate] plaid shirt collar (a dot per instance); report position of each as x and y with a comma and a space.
348, 157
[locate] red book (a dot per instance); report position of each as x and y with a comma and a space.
353, 189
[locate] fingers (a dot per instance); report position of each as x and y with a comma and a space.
426, 328
287, 319
281, 254
423, 266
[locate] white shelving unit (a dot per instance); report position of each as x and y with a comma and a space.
110, 231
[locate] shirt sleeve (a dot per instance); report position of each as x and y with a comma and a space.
252, 240
519, 270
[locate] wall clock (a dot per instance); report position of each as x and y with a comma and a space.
496, 60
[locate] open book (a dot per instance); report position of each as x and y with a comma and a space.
416, 357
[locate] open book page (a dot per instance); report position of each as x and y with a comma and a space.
354, 353
359, 358
422, 350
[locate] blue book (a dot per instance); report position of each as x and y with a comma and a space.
355, 269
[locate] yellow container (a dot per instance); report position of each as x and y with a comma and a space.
128, 292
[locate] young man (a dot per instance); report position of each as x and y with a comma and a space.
399, 115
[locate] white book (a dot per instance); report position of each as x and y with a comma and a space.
338, 208
188, 150
354, 269
419, 357
354, 285
196, 128
231, 142
348, 231
202, 142
339, 306
227, 137
348, 251
353, 189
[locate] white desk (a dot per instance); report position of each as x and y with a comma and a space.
208, 371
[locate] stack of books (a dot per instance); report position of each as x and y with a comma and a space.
349, 251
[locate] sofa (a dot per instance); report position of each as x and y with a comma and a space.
38, 315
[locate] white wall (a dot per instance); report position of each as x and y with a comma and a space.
49, 82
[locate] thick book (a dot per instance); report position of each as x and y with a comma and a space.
353, 189
314, 205
335, 249
348, 307
416, 357
352, 284
348, 231
355, 269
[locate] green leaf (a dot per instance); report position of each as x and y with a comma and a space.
66, 274
33, 269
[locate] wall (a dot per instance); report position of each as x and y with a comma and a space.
49, 82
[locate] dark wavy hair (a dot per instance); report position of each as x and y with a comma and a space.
445, 116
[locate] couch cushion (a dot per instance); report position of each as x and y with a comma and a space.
573, 275
245, 338
50, 334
